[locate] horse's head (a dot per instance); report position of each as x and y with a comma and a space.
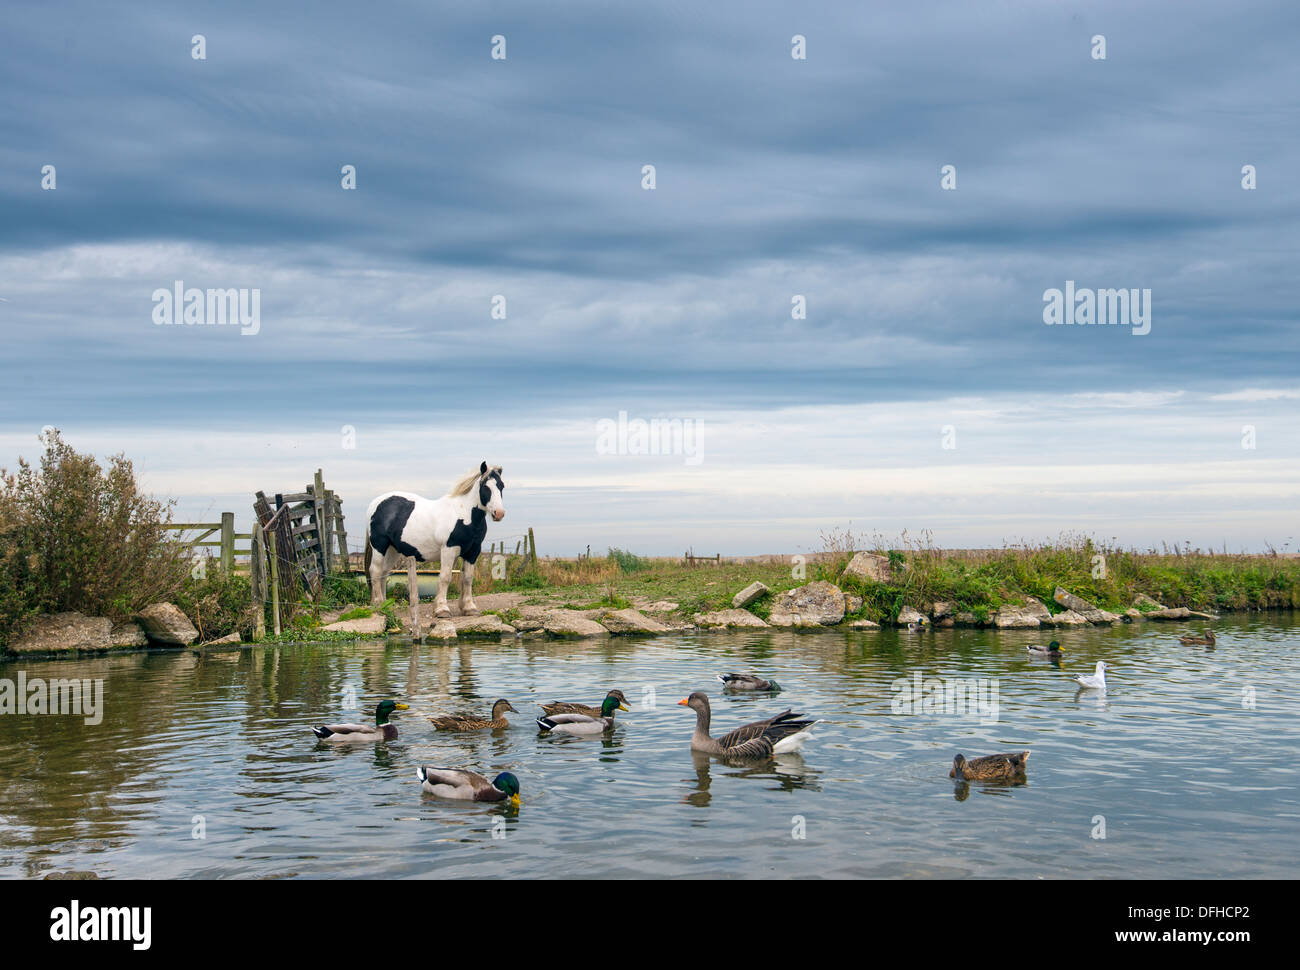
490, 488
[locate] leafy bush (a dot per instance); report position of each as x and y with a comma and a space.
337, 591
218, 605
627, 562
76, 536
529, 578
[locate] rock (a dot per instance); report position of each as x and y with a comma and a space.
1035, 608
483, 625
530, 618
77, 875
871, 567
1133, 614
1085, 609
631, 621
374, 624
165, 623
1168, 613
941, 610
946, 623
1069, 618
128, 634
1071, 602
228, 638
852, 603
728, 618
817, 604
965, 619
908, 615
864, 625
572, 623
442, 630
1143, 600
750, 593
660, 606
1198, 615
1014, 617
63, 632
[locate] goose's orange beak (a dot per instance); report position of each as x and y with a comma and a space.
682, 702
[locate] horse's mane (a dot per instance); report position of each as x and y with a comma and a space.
467, 483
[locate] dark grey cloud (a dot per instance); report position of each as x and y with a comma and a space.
522, 177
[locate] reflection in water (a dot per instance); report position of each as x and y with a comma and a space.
788, 770
961, 789
225, 735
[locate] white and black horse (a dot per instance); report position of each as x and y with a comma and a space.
401, 525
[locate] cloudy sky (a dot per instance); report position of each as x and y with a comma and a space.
922, 391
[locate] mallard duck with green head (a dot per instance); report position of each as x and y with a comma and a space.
992, 767
381, 730
581, 723
1052, 650
468, 722
468, 786
572, 707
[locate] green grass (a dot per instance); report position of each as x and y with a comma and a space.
360, 613
973, 581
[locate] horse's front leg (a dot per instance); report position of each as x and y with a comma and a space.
413, 598
440, 607
467, 605
377, 570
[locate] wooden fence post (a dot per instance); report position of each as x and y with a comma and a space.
338, 529
532, 544
257, 579
275, 582
227, 542
320, 504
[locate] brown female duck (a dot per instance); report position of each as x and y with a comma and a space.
993, 767
1195, 641
468, 722
747, 682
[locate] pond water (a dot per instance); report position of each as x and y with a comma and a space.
1186, 765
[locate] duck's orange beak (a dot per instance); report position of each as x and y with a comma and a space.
682, 702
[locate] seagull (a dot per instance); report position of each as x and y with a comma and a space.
1097, 681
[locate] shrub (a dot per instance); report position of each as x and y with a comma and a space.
626, 561
81, 537
337, 591
218, 605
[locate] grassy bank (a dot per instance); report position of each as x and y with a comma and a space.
978, 581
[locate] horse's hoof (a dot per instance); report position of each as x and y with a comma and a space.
443, 611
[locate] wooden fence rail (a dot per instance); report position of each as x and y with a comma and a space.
226, 541
690, 559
